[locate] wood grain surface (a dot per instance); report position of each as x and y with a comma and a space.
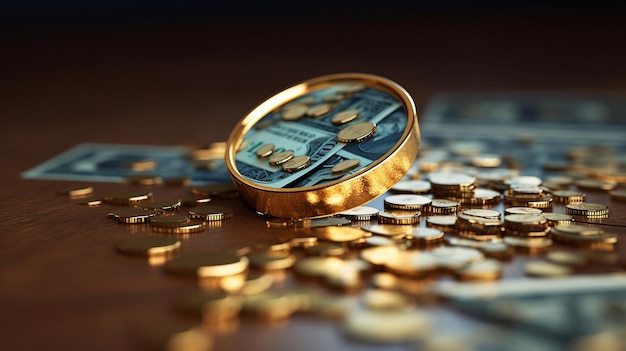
63, 286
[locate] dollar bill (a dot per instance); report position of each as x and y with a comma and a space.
317, 138
98, 162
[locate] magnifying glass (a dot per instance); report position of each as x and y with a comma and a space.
323, 146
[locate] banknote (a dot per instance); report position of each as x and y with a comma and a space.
97, 162
317, 138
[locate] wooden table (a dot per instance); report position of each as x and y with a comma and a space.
63, 287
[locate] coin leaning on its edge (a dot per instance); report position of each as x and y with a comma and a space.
313, 191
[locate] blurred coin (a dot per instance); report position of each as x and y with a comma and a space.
387, 326
294, 113
280, 157
89, 202
168, 220
455, 257
326, 249
128, 198
557, 218
190, 226
385, 300
215, 189
484, 270
76, 191
567, 258
172, 336
425, 234
143, 179
411, 263
618, 195
346, 116
594, 184
341, 234
148, 245
545, 269
318, 110
411, 186
327, 222
208, 264
271, 261
142, 165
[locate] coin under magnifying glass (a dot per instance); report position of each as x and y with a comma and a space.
354, 148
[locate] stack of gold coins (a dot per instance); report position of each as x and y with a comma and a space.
453, 186
479, 224
526, 225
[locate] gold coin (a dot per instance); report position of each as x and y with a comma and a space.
168, 220
306, 100
525, 221
142, 165
195, 200
385, 300
318, 110
389, 230
587, 209
160, 206
174, 337
568, 196
143, 179
446, 179
317, 266
485, 197
379, 255
211, 213
361, 213
346, 116
89, 202
484, 270
386, 327
294, 113
210, 304
545, 269
333, 98
425, 234
522, 210
257, 283
345, 166
280, 157
579, 229
455, 257
215, 150
271, 261
297, 163
326, 249
341, 234
208, 264
411, 186
356, 132
567, 258
265, 150
486, 161
444, 207
528, 243
399, 217
406, 202
618, 195
411, 263
148, 245
594, 184
441, 220
127, 198
270, 305
132, 215
557, 218
351, 88
76, 191
190, 226
489, 214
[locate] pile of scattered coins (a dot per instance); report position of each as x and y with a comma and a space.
444, 222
